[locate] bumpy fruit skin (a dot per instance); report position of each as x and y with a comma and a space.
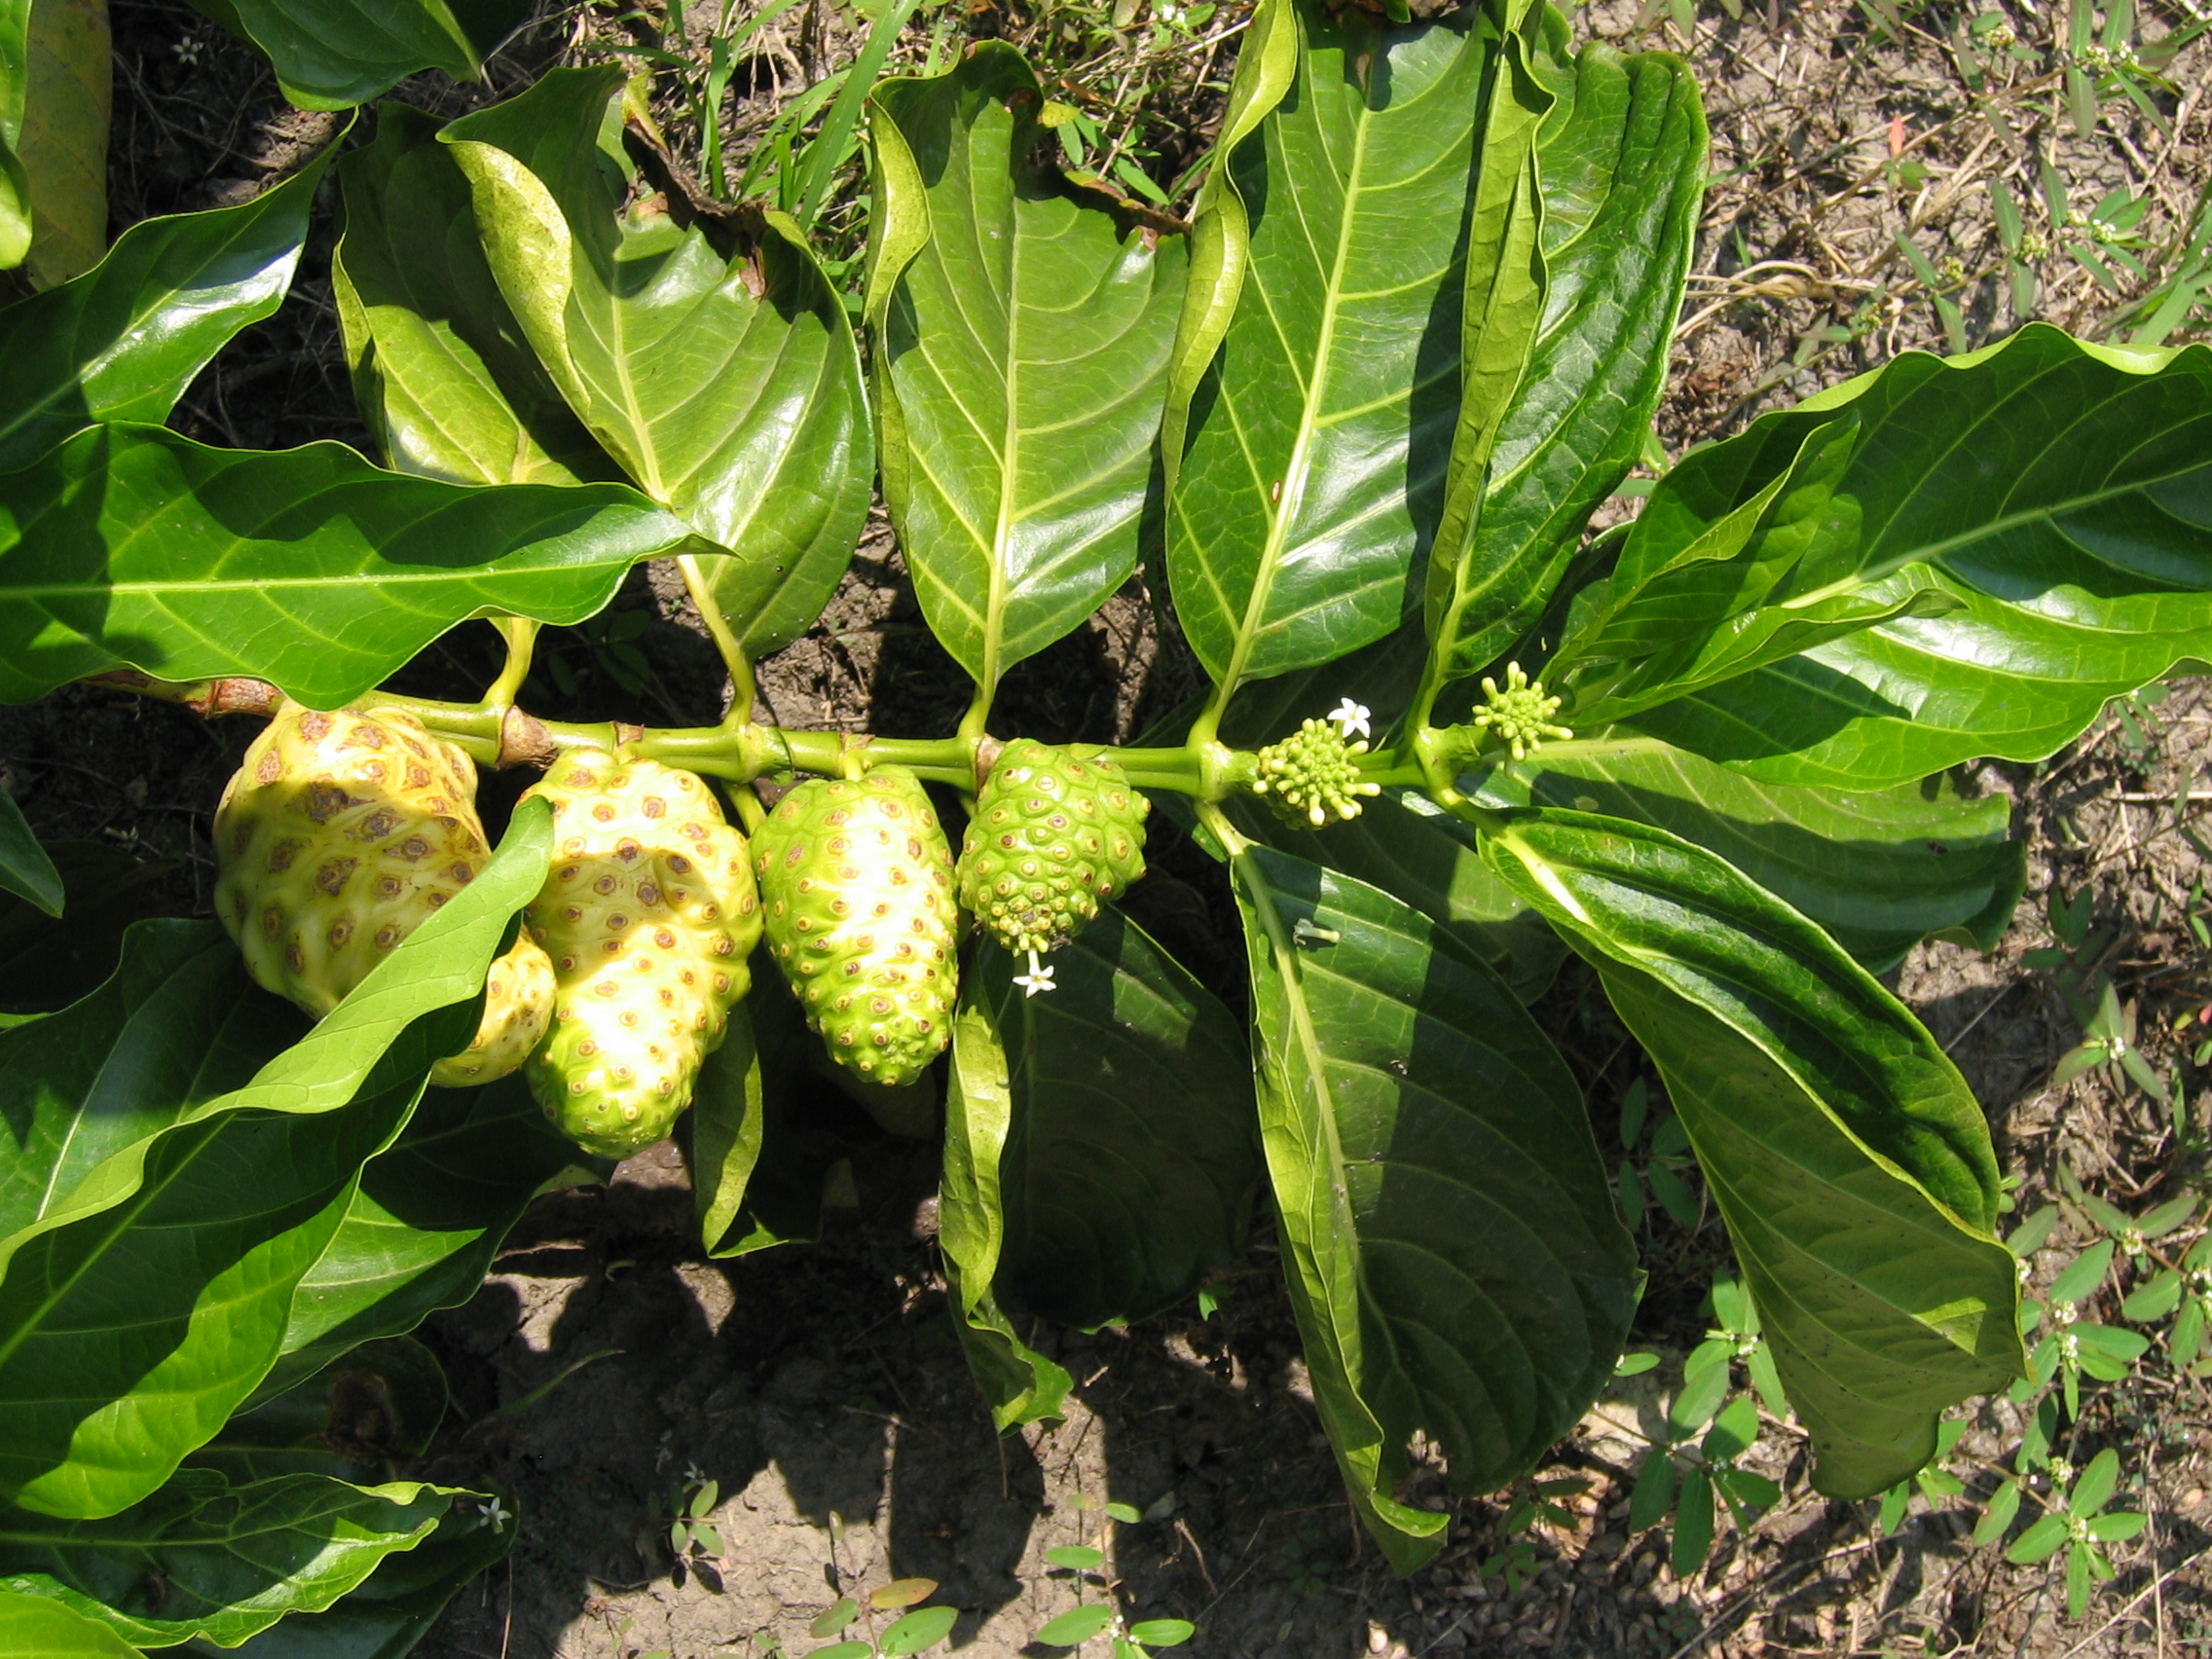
518, 1006
648, 914
856, 883
1051, 836
337, 836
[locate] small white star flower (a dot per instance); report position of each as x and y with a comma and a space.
496, 1514
1351, 717
1038, 978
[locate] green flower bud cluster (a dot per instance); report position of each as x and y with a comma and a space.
1313, 775
1520, 714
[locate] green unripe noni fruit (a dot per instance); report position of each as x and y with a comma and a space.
648, 913
1052, 835
856, 885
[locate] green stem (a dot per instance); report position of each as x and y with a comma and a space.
519, 635
741, 683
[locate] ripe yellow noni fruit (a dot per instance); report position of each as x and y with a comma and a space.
648, 914
338, 835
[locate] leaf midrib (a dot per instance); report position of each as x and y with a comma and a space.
1295, 468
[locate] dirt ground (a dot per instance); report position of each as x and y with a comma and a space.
606, 1367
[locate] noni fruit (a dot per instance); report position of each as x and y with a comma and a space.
336, 837
648, 913
856, 884
518, 1005
1051, 836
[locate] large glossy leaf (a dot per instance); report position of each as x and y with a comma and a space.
127, 1336
48, 961
24, 867
64, 138
726, 382
335, 53
1316, 383
1849, 1158
122, 341
131, 546
1018, 1385
1418, 854
370, 1407
440, 368
390, 1612
1129, 1158
1448, 1235
419, 1233
1879, 869
202, 1558
15, 180
1024, 325
1620, 161
147, 1298
2058, 495
180, 1033
40, 1625
177, 1026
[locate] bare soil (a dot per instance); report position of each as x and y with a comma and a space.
605, 1364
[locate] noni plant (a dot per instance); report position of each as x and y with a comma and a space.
1351, 423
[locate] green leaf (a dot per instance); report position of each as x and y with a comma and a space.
1024, 324
1075, 1558
2117, 1528
1018, 1385
335, 53
917, 1631
123, 340
1418, 853
148, 1284
724, 381
2004, 1506
433, 1210
131, 546
1162, 1633
1734, 1430
1654, 1492
391, 1610
2154, 1299
181, 1034
1076, 1626
1316, 388
14, 179
24, 867
2084, 1274
128, 1336
1701, 1395
177, 1028
1851, 1162
1693, 1523
47, 962
2040, 1542
1129, 1159
2055, 491
1449, 1234
1878, 870
2093, 1486
728, 1121
63, 145
1620, 161
442, 372
40, 1625
375, 1404
202, 1558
